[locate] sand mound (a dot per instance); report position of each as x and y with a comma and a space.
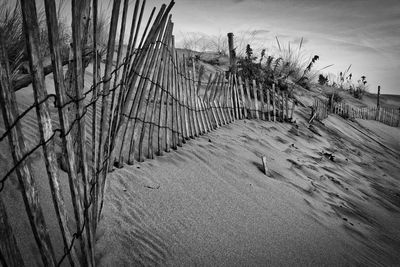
329, 199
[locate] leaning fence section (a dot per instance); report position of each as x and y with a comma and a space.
389, 116
143, 100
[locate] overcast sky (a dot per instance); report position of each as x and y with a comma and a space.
364, 33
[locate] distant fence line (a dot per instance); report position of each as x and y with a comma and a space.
151, 101
388, 116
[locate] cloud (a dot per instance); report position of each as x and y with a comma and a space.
260, 32
299, 40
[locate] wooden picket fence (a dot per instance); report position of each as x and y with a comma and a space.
388, 116
150, 99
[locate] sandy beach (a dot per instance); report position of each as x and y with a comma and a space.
328, 200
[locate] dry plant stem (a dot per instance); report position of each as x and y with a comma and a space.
18, 150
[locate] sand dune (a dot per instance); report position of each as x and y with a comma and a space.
331, 198
210, 204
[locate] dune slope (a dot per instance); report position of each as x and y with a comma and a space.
329, 198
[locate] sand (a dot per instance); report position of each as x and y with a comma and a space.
209, 203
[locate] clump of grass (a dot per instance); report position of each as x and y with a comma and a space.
12, 34
289, 65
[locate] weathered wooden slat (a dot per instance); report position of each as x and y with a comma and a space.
131, 56
139, 63
243, 97
157, 99
273, 102
192, 129
8, 245
142, 87
249, 102
167, 88
152, 97
293, 107
217, 89
220, 91
55, 49
236, 98
287, 107
206, 101
27, 183
262, 101
184, 120
112, 118
200, 119
96, 68
174, 124
103, 146
77, 20
178, 113
255, 99
229, 99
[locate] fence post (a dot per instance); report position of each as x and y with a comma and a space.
52, 25
377, 103
232, 53
243, 97
206, 100
247, 89
27, 183
255, 99
262, 102
273, 102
